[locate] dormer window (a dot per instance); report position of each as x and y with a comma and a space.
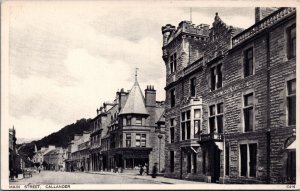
173, 62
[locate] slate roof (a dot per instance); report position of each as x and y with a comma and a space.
135, 103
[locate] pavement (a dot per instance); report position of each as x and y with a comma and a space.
159, 179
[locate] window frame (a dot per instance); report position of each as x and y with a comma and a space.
185, 121
172, 130
291, 96
216, 82
214, 116
246, 108
291, 50
128, 140
173, 62
193, 87
172, 97
246, 67
248, 157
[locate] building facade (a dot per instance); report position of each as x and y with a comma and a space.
55, 159
131, 130
231, 98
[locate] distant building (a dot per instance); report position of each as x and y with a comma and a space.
78, 153
55, 159
231, 99
38, 157
129, 132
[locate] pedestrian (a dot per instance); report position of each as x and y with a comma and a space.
154, 170
145, 169
141, 170
39, 168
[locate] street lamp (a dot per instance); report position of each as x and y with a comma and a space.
159, 137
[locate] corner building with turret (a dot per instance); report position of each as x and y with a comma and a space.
230, 109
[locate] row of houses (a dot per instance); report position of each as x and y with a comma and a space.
230, 108
125, 134
50, 158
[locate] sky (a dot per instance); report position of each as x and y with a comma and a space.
65, 60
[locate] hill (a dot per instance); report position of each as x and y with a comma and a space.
59, 138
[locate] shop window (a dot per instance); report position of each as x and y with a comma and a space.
189, 163
248, 159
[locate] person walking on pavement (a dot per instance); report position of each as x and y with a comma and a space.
154, 170
145, 170
141, 170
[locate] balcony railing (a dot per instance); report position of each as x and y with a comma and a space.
211, 137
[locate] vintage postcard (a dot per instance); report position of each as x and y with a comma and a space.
149, 95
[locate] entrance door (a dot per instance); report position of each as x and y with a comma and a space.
215, 164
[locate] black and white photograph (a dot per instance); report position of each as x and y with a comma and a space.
148, 95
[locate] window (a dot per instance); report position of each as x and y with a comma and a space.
248, 62
172, 133
173, 97
248, 152
227, 159
173, 62
138, 140
197, 127
193, 87
128, 140
138, 121
143, 141
216, 118
291, 166
128, 121
292, 42
172, 161
248, 112
291, 102
186, 125
216, 78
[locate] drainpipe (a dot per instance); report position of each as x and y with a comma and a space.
268, 108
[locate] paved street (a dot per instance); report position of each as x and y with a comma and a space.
52, 177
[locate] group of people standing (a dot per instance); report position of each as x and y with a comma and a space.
145, 169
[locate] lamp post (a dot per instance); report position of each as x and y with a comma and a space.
159, 137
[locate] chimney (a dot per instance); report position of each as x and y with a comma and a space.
122, 98
167, 31
262, 12
150, 96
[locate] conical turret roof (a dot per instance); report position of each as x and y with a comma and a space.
135, 103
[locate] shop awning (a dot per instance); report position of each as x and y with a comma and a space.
292, 146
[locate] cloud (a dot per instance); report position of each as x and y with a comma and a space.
65, 62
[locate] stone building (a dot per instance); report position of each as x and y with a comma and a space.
231, 99
55, 159
132, 128
78, 153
